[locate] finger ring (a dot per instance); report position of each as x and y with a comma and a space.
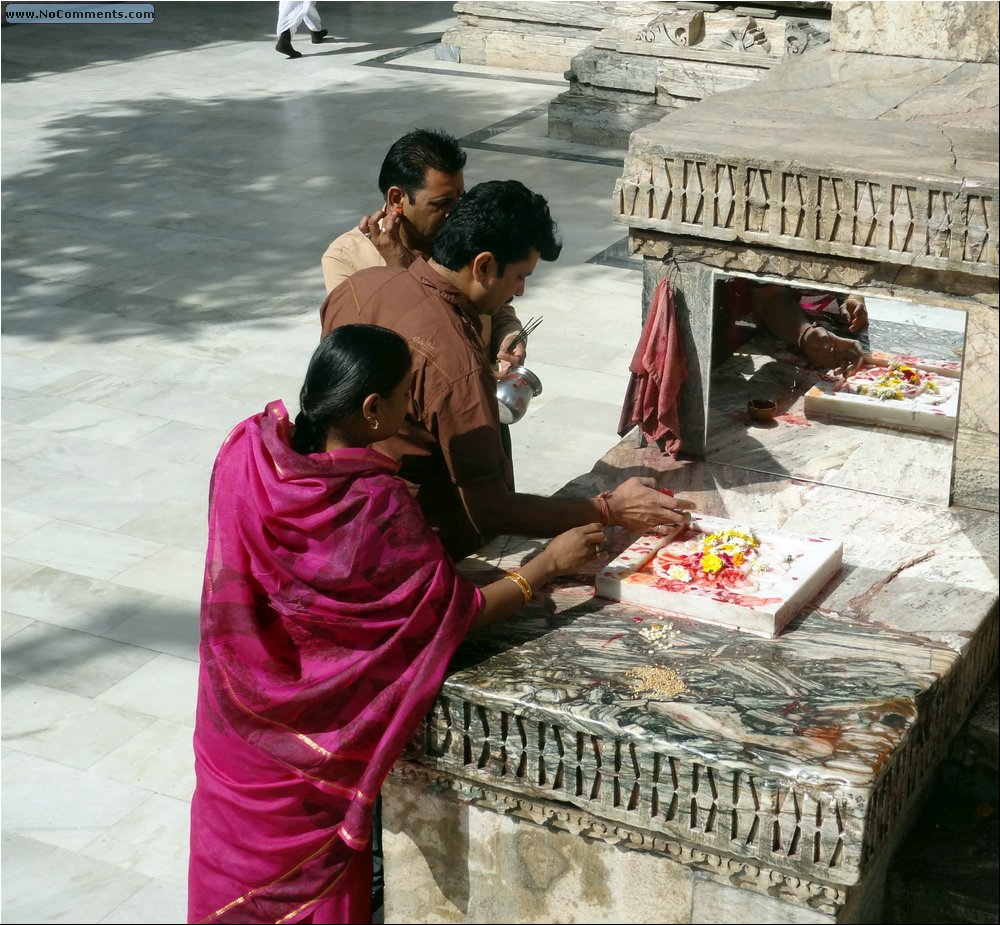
597, 549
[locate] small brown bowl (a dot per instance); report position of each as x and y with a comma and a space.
761, 409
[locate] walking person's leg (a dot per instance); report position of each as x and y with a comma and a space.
313, 23
290, 14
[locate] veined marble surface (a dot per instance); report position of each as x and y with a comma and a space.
803, 751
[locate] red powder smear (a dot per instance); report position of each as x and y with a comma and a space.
830, 734
711, 589
612, 639
791, 419
744, 600
637, 619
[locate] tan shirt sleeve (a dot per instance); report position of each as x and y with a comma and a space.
345, 256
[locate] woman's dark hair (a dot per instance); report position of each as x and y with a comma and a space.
407, 161
350, 363
503, 217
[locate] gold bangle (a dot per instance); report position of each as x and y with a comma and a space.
522, 583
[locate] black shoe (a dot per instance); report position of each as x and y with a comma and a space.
319, 36
284, 45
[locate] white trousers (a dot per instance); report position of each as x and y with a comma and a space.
291, 15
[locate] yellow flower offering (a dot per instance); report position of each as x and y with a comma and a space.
710, 563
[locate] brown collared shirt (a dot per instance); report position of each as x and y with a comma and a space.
451, 435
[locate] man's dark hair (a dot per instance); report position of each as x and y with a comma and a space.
500, 216
406, 162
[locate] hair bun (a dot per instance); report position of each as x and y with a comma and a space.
305, 436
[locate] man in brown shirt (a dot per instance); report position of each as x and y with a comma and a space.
421, 180
449, 447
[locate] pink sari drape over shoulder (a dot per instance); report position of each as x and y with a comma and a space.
330, 611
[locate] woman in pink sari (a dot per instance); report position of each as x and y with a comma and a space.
330, 611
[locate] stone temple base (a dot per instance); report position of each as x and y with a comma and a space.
457, 852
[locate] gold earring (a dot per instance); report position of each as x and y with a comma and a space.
373, 423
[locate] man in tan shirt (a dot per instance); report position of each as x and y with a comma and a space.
421, 181
449, 447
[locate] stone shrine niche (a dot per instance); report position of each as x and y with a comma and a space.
888, 430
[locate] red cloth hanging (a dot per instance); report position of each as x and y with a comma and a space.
657, 371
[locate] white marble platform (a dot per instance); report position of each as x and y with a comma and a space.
663, 574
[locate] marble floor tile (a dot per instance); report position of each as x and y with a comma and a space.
13, 623
16, 569
9, 682
43, 883
165, 687
86, 385
66, 599
156, 903
71, 729
151, 840
83, 550
159, 759
171, 571
24, 407
77, 457
182, 442
16, 524
60, 805
104, 507
178, 523
27, 374
165, 625
68, 660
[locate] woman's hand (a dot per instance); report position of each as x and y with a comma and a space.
563, 555
573, 549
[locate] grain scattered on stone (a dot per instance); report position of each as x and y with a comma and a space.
655, 680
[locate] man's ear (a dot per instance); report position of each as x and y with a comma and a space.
482, 266
395, 196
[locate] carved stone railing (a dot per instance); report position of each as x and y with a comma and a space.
943, 225
743, 814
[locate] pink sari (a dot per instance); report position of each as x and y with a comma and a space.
330, 611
